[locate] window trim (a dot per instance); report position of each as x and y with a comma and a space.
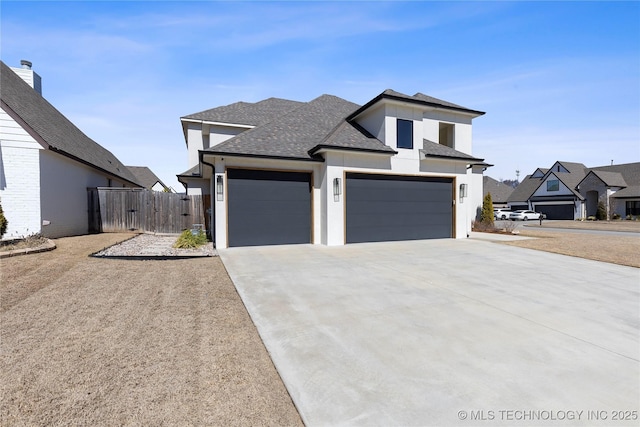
555, 185
410, 123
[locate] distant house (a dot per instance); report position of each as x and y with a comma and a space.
572, 191
332, 172
500, 191
148, 179
46, 162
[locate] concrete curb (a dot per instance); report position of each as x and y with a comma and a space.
49, 246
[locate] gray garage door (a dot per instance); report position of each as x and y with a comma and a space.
268, 207
384, 208
556, 211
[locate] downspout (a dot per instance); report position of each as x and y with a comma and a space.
212, 223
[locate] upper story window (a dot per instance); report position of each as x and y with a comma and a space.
446, 134
405, 134
553, 185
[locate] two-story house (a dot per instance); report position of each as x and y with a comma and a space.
332, 172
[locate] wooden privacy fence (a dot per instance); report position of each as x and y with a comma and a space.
134, 209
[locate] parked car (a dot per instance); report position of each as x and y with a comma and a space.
524, 215
500, 213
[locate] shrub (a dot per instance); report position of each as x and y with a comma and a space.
616, 216
486, 216
3, 223
190, 240
601, 214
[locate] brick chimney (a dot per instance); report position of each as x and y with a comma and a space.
28, 75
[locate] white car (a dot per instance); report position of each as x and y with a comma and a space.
524, 215
501, 213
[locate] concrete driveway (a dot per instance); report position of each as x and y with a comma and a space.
445, 332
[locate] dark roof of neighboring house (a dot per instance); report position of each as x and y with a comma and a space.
145, 176
47, 125
247, 113
610, 179
525, 189
632, 191
299, 133
500, 191
629, 171
572, 167
433, 149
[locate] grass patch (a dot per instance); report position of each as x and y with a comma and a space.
190, 240
29, 242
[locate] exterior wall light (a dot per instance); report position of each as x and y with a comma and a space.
337, 189
220, 188
463, 191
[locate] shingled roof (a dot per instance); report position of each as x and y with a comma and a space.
247, 113
51, 128
433, 149
299, 133
145, 176
500, 191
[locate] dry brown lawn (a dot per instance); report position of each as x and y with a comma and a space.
87, 341
623, 250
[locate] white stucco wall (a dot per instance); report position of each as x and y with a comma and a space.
19, 179
63, 194
195, 142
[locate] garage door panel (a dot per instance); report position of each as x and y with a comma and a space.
387, 208
268, 207
556, 211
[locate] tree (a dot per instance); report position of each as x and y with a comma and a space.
486, 216
3, 223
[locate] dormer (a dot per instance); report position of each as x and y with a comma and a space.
405, 122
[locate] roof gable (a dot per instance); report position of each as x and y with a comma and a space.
46, 124
145, 176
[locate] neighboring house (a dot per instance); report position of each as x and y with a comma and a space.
500, 191
148, 179
573, 191
332, 172
47, 163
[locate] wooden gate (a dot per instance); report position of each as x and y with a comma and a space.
133, 209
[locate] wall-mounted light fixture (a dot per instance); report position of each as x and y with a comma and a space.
337, 189
463, 191
220, 188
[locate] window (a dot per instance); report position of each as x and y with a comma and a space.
446, 136
633, 207
405, 133
553, 185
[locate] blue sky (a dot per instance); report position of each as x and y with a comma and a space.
558, 80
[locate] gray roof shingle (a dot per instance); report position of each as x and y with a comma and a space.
246, 113
293, 134
630, 171
52, 127
433, 149
145, 176
500, 191
525, 189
